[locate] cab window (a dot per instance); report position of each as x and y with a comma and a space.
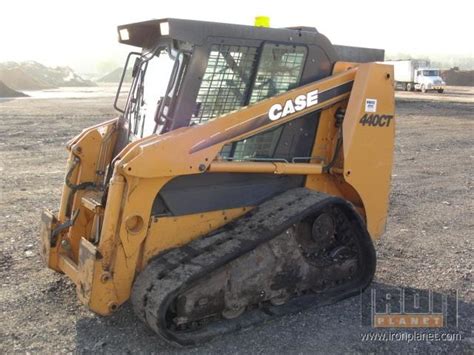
233, 78
226, 81
279, 70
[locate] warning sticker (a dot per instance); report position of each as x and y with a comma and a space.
370, 105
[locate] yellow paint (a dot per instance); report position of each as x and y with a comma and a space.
169, 232
368, 150
86, 147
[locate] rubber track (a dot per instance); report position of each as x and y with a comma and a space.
176, 270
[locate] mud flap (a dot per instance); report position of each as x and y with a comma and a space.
48, 222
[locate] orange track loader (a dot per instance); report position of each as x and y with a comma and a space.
245, 178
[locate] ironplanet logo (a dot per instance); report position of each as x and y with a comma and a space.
299, 103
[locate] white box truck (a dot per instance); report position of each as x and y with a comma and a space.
415, 74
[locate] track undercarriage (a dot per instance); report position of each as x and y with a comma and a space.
299, 249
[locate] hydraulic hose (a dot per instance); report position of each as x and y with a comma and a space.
81, 186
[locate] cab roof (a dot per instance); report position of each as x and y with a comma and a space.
146, 34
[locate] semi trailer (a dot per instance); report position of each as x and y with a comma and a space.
415, 74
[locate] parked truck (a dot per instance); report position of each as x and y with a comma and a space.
411, 75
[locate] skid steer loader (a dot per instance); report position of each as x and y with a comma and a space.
245, 178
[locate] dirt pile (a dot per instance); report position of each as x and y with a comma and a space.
458, 77
5, 91
35, 76
115, 75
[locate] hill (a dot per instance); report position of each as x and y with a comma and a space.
458, 77
5, 91
35, 76
115, 75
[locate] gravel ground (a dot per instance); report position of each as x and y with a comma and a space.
428, 243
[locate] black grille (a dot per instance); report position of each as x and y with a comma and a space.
279, 70
226, 81
232, 80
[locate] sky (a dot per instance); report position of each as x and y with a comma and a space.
82, 34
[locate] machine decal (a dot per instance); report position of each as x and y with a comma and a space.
291, 106
370, 105
320, 98
375, 120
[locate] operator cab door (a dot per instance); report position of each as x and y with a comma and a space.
157, 77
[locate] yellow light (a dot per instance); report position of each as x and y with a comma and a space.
262, 21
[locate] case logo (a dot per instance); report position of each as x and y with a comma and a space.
299, 103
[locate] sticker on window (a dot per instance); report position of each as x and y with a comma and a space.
370, 105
